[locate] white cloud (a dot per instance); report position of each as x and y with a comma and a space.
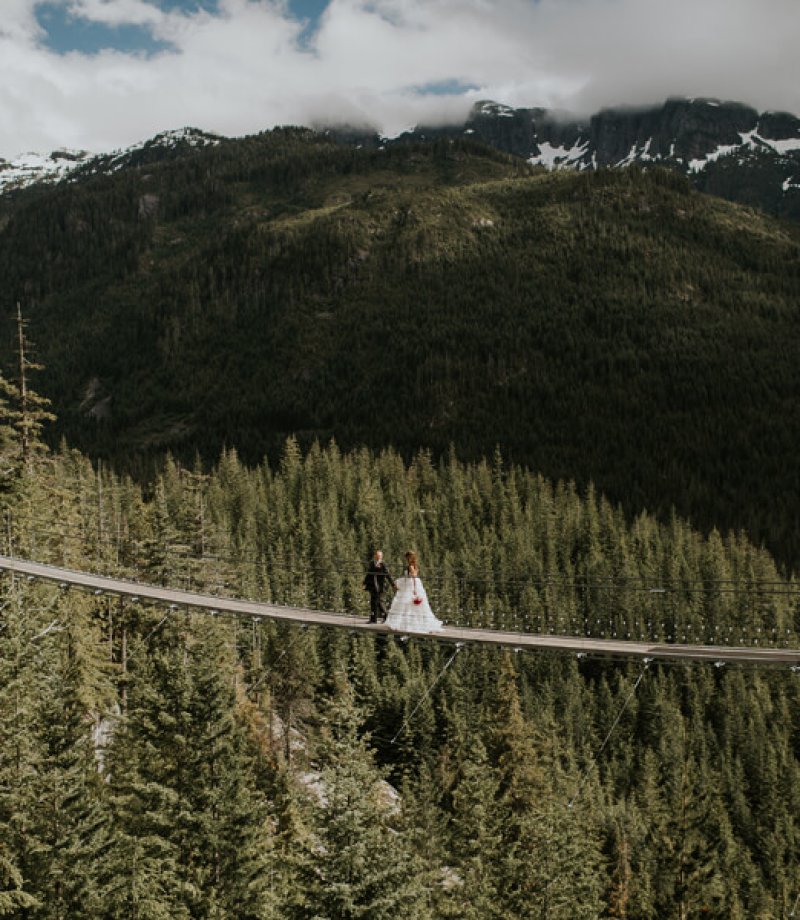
247, 69
18, 22
117, 12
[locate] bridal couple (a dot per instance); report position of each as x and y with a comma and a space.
410, 610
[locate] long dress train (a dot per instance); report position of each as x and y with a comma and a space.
410, 610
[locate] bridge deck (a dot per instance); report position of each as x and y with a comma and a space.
534, 641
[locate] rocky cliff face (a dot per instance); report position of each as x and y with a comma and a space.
727, 148
680, 130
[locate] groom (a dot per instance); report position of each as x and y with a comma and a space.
375, 582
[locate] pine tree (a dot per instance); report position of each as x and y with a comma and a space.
10, 453
19, 749
233, 847
425, 821
142, 866
476, 839
359, 865
32, 410
294, 840
13, 898
687, 837
54, 690
549, 850
192, 830
70, 816
293, 673
628, 893
157, 556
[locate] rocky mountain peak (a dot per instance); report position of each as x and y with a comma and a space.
726, 147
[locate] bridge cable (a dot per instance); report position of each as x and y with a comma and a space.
269, 672
627, 583
55, 626
427, 693
645, 665
143, 643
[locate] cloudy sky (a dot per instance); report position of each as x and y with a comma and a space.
101, 74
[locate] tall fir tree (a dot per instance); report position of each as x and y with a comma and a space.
550, 850
360, 863
476, 834
69, 816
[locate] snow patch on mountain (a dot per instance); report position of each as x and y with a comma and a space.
751, 140
35, 167
582, 156
645, 154
633, 155
722, 151
549, 156
496, 110
552, 156
788, 145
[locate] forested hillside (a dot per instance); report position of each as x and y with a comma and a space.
161, 764
612, 327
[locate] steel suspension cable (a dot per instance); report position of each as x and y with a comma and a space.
645, 665
427, 693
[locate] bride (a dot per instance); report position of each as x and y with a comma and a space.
410, 610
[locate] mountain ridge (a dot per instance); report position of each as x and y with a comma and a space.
37, 169
728, 149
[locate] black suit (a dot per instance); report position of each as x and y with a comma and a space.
375, 582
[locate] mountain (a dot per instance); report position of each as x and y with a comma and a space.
726, 148
35, 169
614, 326
167, 145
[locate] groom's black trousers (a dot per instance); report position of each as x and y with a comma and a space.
377, 607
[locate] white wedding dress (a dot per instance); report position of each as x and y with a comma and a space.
410, 610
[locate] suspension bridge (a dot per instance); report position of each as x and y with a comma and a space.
177, 599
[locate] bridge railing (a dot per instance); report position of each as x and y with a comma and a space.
724, 613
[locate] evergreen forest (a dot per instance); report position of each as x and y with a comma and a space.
159, 763
573, 395
610, 327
